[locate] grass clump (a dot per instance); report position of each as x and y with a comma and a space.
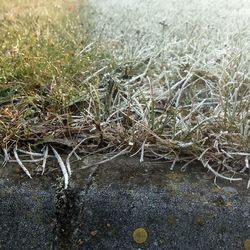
43, 66
184, 67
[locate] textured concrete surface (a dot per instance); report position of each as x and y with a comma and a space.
26, 215
176, 210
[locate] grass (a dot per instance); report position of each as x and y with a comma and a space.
42, 71
179, 94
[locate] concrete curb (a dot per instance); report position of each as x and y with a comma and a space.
124, 205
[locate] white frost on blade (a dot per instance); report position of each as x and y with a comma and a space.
139, 24
21, 164
63, 168
45, 156
6, 156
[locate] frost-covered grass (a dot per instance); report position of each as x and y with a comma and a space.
163, 79
185, 67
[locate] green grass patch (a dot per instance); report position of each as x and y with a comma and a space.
43, 66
